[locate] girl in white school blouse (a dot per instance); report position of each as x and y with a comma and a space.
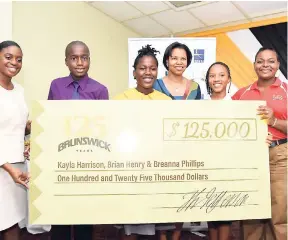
218, 77
13, 119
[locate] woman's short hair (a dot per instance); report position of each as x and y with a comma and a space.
171, 47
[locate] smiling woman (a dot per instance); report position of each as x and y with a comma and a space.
176, 59
271, 89
13, 118
11, 63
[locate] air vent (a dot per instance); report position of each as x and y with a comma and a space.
180, 4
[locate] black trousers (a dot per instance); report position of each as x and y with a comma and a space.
63, 232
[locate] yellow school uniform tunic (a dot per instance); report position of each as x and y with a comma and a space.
133, 94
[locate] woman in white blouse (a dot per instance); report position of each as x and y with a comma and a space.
13, 118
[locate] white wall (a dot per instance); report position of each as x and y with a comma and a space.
6, 20
43, 29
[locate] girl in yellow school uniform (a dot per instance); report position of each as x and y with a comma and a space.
145, 73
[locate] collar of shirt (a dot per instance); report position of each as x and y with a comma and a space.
82, 81
277, 83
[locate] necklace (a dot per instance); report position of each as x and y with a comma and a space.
174, 88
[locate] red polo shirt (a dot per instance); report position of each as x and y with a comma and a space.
275, 97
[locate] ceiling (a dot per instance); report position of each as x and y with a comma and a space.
159, 18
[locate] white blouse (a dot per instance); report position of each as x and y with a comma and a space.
227, 97
13, 118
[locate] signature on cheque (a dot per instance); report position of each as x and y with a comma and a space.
211, 199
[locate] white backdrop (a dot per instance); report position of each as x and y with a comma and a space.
203, 51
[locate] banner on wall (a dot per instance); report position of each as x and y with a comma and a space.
202, 49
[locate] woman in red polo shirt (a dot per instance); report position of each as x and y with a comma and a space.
271, 89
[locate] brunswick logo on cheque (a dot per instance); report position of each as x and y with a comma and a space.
199, 55
82, 141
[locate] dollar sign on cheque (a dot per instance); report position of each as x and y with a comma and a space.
174, 127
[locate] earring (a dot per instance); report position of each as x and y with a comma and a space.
229, 86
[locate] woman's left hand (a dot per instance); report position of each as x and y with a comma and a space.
266, 113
